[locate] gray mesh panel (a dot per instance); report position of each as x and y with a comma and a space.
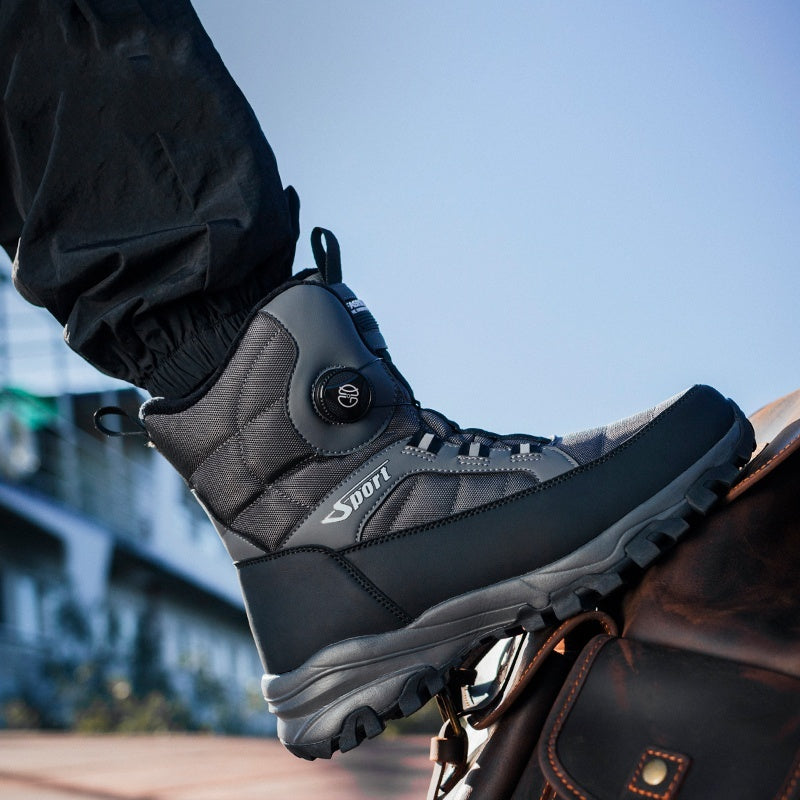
267, 379
478, 490
517, 438
428, 497
585, 446
444, 429
431, 498
472, 493
588, 445
233, 440
270, 442
272, 516
384, 516
437, 423
518, 482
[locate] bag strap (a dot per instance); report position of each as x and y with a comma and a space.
450, 749
536, 650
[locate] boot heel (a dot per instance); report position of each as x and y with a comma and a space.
299, 601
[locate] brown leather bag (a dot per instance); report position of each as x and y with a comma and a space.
688, 689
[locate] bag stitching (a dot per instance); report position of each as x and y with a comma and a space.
566, 708
793, 780
751, 479
559, 633
545, 792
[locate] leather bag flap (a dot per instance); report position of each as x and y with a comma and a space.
638, 721
777, 429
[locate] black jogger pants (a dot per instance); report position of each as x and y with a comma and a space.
138, 195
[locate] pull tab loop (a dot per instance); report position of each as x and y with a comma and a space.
327, 256
116, 411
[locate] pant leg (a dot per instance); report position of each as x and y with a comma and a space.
146, 202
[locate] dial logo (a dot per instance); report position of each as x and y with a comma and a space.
348, 396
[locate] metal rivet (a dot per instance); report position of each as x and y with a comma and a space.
655, 771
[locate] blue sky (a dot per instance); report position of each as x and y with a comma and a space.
560, 213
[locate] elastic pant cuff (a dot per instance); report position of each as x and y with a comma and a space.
196, 358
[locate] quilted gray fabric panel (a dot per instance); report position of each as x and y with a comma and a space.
310, 481
261, 445
225, 482
238, 436
238, 447
430, 496
271, 516
263, 359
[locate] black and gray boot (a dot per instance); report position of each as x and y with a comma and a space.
378, 543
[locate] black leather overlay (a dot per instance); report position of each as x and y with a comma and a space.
302, 600
547, 522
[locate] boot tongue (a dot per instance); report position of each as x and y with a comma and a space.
327, 256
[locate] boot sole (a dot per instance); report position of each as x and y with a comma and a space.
346, 692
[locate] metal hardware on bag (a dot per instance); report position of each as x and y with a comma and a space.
450, 748
654, 772
448, 711
483, 704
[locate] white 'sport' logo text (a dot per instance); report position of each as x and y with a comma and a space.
352, 501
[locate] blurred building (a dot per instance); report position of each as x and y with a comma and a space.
108, 567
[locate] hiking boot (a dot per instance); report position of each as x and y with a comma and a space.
377, 543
